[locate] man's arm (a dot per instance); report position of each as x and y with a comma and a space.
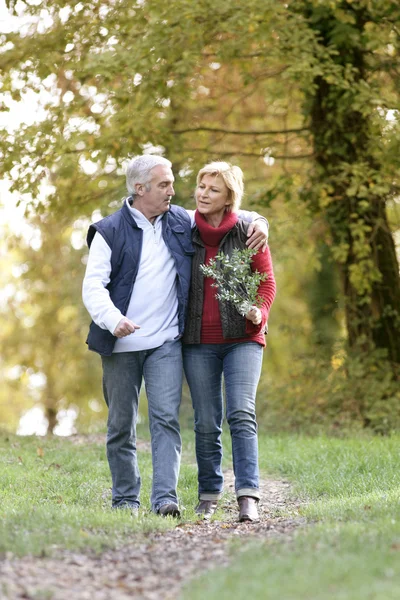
257, 233
95, 295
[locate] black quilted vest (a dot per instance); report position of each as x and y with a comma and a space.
233, 324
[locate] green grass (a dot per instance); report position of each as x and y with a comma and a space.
352, 488
54, 494
330, 470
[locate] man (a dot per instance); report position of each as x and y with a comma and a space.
136, 290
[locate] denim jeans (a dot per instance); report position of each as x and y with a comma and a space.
161, 369
240, 366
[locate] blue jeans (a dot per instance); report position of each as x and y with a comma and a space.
240, 366
161, 369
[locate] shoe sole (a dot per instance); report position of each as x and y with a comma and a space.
204, 516
171, 513
247, 519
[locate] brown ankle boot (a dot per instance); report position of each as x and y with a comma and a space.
248, 509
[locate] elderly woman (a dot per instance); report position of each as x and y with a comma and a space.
219, 342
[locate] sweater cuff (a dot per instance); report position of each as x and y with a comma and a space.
252, 329
112, 321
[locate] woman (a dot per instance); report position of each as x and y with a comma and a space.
218, 342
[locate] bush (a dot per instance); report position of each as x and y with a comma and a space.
348, 392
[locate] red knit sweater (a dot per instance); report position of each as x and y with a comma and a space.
211, 327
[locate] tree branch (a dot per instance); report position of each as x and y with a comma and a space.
238, 132
239, 56
256, 154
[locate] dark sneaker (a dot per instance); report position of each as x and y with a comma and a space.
248, 509
169, 510
206, 508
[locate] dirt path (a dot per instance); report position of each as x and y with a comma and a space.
155, 567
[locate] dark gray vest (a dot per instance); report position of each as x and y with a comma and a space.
233, 324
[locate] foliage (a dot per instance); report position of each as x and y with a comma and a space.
44, 325
354, 176
351, 392
235, 280
111, 91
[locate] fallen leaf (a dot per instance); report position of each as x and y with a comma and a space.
395, 547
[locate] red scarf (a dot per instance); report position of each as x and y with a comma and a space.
212, 236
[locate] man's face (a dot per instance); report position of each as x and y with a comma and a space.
154, 198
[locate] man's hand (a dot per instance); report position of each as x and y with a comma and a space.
257, 235
125, 327
254, 315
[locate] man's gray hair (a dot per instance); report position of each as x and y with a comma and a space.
138, 170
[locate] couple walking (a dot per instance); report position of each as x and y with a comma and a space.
155, 314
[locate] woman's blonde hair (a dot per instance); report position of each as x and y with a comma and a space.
233, 178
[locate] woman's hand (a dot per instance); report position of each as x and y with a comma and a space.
254, 315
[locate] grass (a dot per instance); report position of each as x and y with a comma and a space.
54, 494
351, 487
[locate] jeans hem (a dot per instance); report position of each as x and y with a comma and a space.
210, 496
126, 505
253, 492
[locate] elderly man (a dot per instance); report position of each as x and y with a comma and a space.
136, 290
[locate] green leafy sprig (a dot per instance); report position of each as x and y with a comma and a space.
235, 280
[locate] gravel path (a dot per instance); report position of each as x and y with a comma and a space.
153, 566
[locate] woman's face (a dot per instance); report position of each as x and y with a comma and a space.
212, 196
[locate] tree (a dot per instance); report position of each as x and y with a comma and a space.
298, 92
44, 324
351, 182
307, 81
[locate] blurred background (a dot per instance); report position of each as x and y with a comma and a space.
303, 95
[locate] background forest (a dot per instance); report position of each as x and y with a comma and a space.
304, 95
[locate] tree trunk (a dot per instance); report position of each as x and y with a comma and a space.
51, 415
322, 298
375, 318
49, 395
